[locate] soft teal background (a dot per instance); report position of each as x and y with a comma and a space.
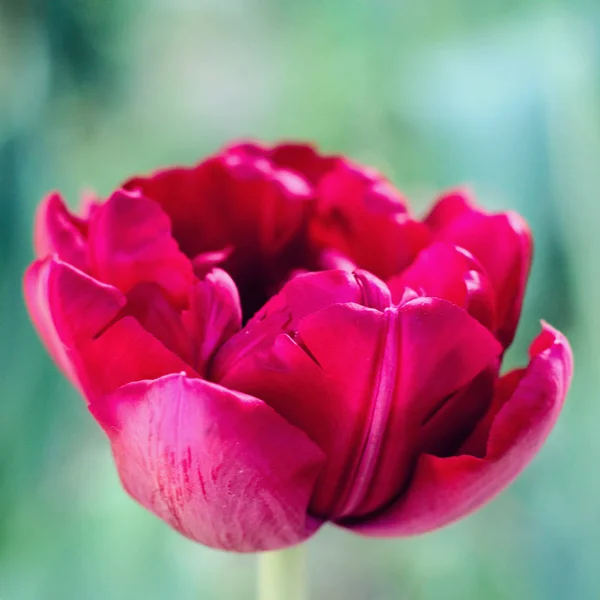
502, 94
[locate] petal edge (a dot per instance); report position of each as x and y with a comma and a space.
221, 467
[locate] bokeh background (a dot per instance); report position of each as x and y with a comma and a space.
501, 94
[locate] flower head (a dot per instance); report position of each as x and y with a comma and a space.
271, 341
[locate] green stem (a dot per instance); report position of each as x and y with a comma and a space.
282, 574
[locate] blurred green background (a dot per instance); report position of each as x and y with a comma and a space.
501, 94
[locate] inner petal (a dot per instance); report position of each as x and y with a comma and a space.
241, 212
147, 303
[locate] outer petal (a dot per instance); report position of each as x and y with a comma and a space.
130, 242
361, 382
66, 306
59, 232
219, 466
526, 407
501, 243
360, 214
79, 320
126, 352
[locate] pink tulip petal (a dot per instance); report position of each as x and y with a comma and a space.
339, 380
58, 232
207, 261
443, 490
400, 375
130, 242
361, 215
123, 353
214, 315
501, 243
445, 429
449, 272
310, 292
334, 259
147, 303
292, 380
221, 467
304, 294
450, 207
67, 306
81, 322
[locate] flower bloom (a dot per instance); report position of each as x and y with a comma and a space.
271, 341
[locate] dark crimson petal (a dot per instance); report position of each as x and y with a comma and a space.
361, 215
130, 242
526, 407
234, 199
500, 242
267, 204
449, 272
219, 466
188, 197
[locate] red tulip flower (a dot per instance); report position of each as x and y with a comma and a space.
271, 341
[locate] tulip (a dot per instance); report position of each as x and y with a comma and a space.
272, 341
